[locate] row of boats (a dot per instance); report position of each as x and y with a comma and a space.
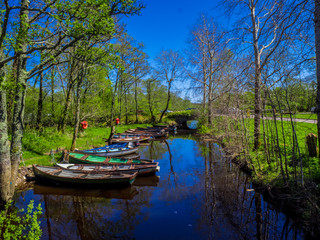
111, 165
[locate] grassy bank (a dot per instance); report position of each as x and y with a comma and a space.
281, 168
37, 145
279, 152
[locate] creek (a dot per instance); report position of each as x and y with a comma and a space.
198, 194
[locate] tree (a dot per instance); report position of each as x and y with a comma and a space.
52, 26
140, 69
209, 58
264, 27
168, 69
317, 48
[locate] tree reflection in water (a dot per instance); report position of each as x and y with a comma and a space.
72, 213
200, 195
231, 206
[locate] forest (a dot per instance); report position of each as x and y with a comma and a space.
63, 62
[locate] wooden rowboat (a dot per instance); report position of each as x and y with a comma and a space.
126, 139
154, 134
113, 150
130, 135
92, 159
141, 169
63, 176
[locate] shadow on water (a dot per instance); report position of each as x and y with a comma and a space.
198, 194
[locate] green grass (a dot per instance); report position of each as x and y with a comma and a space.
308, 115
312, 116
302, 130
269, 172
37, 145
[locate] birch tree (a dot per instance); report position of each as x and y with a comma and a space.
208, 57
317, 48
263, 27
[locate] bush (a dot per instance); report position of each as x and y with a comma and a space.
17, 224
187, 113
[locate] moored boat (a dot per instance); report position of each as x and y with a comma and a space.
155, 134
92, 159
63, 176
167, 128
141, 169
127, 139
113, 150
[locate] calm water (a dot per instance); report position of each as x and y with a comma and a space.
196, 195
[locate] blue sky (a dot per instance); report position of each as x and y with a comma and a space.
165, 24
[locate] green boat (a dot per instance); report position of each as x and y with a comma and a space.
86, 158
63, 176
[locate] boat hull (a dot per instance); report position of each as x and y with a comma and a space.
57, 175
110, 154
81, 158
141, 169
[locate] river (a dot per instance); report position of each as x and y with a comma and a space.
198, 194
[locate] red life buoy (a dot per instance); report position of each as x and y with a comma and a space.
84, 124
117, 121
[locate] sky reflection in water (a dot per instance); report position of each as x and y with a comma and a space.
199, 195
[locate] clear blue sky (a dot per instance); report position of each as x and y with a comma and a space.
165, 24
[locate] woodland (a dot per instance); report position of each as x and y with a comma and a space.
63, 62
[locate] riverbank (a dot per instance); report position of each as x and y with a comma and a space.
299, 201
198, 195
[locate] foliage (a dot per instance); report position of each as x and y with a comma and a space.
20, 224
204, 129
186, 113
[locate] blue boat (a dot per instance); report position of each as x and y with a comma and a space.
112, 150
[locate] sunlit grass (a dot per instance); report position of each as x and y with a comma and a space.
38, 145
312, 116
285, 132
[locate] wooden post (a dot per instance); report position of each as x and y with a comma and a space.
311, 140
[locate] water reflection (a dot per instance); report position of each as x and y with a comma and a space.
192, 124
197, 194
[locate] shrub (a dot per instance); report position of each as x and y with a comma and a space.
17, 224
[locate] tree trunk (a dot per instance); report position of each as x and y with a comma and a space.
257, 82
40, 102
112, 129
77, 117
5, 166
317, 45
210, 100
19, 105
126, 103
149, 101
204, 86
52, 94
136, 99
18, 117
257, 111
62, 122
119, 98
168, 101
71, 81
